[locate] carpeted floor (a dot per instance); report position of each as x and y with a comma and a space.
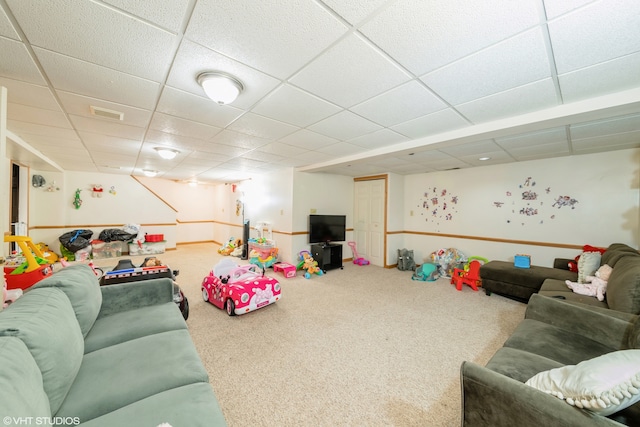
362, 346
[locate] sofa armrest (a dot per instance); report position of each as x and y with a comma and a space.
131, 295
562, 263
494, 400
612, 331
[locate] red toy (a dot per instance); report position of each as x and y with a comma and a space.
357, 259
239, 289
469, 277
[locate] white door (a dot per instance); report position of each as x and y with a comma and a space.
369, 230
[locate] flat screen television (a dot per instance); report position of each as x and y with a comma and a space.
327, 228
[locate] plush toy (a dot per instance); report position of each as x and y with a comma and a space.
573, 265
228, 247
596, 286
152, 262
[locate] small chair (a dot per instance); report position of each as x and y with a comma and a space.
469, 277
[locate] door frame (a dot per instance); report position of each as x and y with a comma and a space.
384, 177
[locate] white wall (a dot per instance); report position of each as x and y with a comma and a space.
604, 185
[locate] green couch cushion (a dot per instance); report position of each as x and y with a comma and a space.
623, 288
21, 390
132, 324
82, 288
197, 407
122, 374
44, 320
519, 364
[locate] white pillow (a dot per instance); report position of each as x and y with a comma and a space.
605, 384
588, 263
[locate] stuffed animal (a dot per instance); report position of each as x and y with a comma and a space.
152, 262
596, 286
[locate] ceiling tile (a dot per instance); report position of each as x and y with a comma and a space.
111, 144
600, 79
6, 28
540, 151
263, 127
377, 139
599, 32
342, 74
261, 156
401, 104
617, 141
555, 8
341, 149
618, 125
167, 14
72, 27
64, 130
524, 99
296, 32
193, 59
514, 62
238, 139
78, 105
345, 125
431, 124
203, 110
24, 93
179, 142
83, 78
446, 31
354, 11
556, 135
107, 127
28, 114
282, 149
308, 140
475, 148
294, 106
17, 64
183, 127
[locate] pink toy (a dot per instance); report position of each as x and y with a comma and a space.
239, 289
357, 259
288, 270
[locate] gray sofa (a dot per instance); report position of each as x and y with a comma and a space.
75, 353
554, 334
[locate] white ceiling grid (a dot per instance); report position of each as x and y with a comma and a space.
359, 87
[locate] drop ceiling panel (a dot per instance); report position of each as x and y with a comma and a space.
345, 125
83, 78
29, 94
107, 127
514, 62
37, 130
618, 141
343, 74
295, 34
28, 114
598, 128
185, 105
607, 77
238, 139
378, 139
476, 148
541, 151
308, 140
520, 100
6, 29
78, 105
294, 106
223, 149
53, 144
166, 14
180, 142
599, 32
431, 124
106, 144
179, 126
17, 64
406, 102
446, 31
340, 149
263, 127
354, 11
532, 139
72, 27
193, 59
281, 148
554, 8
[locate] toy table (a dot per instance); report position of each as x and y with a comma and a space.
288, 270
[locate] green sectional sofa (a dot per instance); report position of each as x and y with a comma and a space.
75, 353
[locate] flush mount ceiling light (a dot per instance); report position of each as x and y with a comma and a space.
150, 173
167, 153
220, 87
483, 159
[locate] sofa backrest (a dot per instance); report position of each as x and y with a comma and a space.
44, 320
21, 390
617, 251
623, 287
82, 287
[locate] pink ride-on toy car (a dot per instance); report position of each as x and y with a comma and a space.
239, 289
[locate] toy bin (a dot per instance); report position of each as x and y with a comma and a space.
154, 238
100, 249
147, 248
263, 250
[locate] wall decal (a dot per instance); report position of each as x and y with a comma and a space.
438, 205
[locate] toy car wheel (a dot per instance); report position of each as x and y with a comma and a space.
185, 308
231, 307
205, 294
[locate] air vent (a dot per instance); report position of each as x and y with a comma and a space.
106, 113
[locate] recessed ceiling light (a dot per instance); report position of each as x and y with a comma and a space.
150, 173
167, 153
484, 158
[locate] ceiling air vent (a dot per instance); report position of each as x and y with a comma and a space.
106, 113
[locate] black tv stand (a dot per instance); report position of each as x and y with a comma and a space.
328, 255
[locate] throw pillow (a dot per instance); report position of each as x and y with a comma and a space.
605, 384
587, 265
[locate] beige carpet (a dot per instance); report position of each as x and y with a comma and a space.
363, 346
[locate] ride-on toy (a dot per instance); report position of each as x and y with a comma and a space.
239, 289
357, 259
151, 268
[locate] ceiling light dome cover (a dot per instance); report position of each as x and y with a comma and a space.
220, 87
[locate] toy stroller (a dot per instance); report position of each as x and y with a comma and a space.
357, 259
